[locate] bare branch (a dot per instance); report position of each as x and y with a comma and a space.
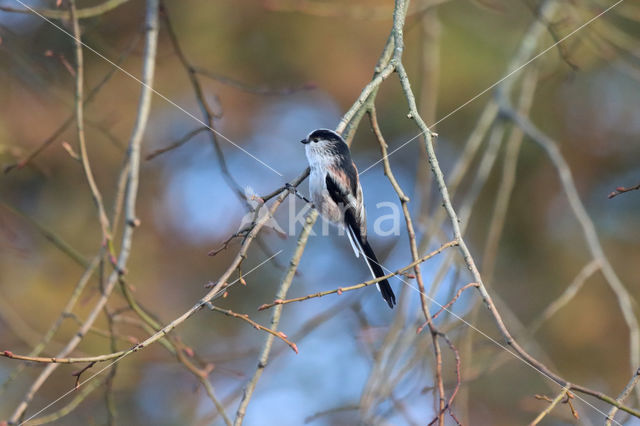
507, 182
173, 145
50, 235
84, 156
621, 190
447, 305
468, 258
588, 228
72, 405
275, 317
341, 290
69, 120
279, 334
78, 373
567, 295
551, 406
623, 395
204, 106
404, 200
151, 22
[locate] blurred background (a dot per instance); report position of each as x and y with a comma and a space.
282, 69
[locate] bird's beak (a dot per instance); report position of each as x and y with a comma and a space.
304, 141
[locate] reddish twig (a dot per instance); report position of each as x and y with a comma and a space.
621, 190
241, 233
276, 315
456, 354
446, 307
245, 317
564, 397
78, 373
404, 201
341, 290
186, 138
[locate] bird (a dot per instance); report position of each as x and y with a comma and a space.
336, 193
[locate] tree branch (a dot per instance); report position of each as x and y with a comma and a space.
151, 22
275, 317
79, 104
621, 190
551, 406
341, 290
588, 228
279, 334
623, 395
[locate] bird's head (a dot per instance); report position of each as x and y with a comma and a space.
325, 143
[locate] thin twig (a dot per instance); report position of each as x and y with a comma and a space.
471, 196
62, 360
79, 103
448, 407
508, 179
275, 317
75, 295
499, 215
151, 25
404, 201
50, 235
526, 50
279, 334
456, 355
72, 405
551, 406
567, 295
469, 260
209, 389
78, 373
621, 190
173, 345
204, 105
173, 145
447, 305
623, 395
111, 377
588, 228
341, 290
70, 119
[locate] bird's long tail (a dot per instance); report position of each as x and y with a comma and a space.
374, 267
384, 286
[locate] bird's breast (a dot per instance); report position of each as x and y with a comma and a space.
321, 198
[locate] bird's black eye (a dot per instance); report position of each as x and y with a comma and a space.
315, 139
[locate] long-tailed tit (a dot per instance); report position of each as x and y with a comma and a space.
336, 193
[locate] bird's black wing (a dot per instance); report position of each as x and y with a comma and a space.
346, 200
